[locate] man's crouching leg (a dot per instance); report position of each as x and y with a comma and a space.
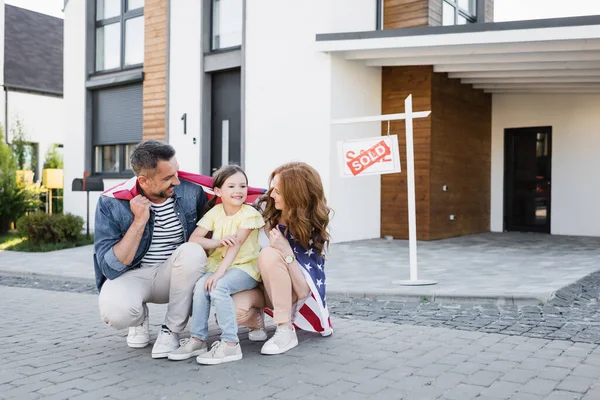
121, 304
174, 284
185, 267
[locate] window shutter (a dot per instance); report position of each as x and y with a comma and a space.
117, 115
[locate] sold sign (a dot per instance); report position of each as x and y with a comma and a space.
370, 156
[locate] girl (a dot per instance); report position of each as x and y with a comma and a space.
231, 267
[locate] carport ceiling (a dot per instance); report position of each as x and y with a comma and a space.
539, 56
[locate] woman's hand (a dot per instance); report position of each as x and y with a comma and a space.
228, 241
211, 282
279, 242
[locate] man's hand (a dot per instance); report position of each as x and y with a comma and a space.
140, 207
228, 241
211, 282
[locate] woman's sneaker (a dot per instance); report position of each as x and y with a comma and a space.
283, 340
139, 336
219, 353
260, 334
188, 348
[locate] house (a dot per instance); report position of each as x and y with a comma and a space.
509, 145
31, 74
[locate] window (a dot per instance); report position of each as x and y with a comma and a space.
119, 34
227, 21
116, 127
113, 159
459, 12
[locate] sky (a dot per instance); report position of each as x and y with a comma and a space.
504, 10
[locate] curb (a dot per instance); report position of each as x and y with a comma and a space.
49, 277
498, 299
383, 295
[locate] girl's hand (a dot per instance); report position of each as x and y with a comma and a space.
279, 242
211, 282
228, 241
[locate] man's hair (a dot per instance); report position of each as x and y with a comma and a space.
147, 154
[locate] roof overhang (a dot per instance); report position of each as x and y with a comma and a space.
538, 56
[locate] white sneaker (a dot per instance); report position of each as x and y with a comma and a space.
283, 340
166, 342
219, 353
139, 336
188, 348
260, 334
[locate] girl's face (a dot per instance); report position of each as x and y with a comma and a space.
276, 194
234, 190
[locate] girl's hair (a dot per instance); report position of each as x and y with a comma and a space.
219, 178
306, 213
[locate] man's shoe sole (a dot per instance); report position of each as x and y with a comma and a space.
215, 361
280, 351
160, 355
138, 345
181, 357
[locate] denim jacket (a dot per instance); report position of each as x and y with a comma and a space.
114, 217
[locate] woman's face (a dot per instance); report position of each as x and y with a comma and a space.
276, 194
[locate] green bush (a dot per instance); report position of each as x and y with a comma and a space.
41, 228
53, 158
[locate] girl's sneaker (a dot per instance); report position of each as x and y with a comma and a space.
260, 334
188, 348
219, 353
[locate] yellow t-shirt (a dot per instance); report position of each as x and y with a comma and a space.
221, 225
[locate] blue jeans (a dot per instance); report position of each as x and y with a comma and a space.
235, 280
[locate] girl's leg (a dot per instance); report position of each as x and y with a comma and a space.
235, 280
200, 309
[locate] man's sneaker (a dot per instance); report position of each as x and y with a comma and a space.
188, 348
219, 353
139, 336
260, 334
283, 340
166, 342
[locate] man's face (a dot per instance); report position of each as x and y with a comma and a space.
159, 184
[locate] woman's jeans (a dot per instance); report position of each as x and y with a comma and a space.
235, 280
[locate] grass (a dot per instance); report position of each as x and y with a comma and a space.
12, 241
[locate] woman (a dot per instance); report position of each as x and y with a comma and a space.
291, 261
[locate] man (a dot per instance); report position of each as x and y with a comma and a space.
141, 249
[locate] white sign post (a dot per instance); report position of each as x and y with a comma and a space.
408, 116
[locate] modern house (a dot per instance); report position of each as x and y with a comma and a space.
510, 143
31, 74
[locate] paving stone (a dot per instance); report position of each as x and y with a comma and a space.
501, 390
576, 384
518, 375
539, 386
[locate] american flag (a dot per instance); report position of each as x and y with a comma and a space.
129, 189
312, 315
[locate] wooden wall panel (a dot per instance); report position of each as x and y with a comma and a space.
155, 70
405, 13
397, 84
460, 158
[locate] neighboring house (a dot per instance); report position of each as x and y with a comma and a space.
31, 68
510, 143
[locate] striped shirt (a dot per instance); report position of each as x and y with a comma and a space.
167, 236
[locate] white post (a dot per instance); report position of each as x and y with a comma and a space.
408, 116
410, 172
